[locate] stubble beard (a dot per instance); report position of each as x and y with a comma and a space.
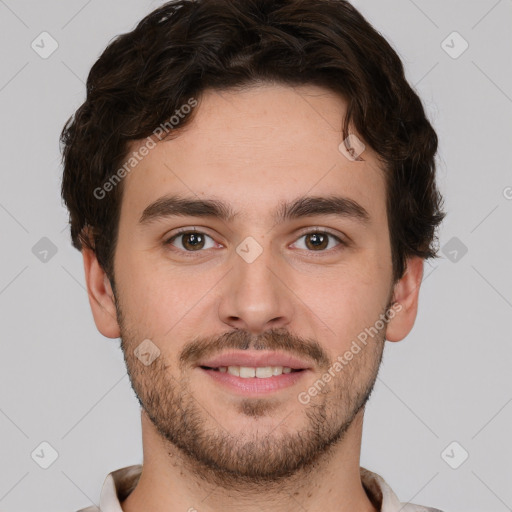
207, 450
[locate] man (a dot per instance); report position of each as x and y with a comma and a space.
252, 187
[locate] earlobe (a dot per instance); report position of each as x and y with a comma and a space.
405, 295
101, 296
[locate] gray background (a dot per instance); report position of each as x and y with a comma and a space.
450, 380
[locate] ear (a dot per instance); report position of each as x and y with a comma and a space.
405, 293
101, 297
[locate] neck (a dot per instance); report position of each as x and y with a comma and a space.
170, 482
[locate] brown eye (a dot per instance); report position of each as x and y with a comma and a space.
193, 241
190, 241
319, 241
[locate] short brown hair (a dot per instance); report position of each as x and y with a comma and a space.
186, 46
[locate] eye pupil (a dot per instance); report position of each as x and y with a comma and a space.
193, 240
318, 240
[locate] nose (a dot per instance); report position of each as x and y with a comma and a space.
255, 296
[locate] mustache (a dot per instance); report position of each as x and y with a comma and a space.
274, 339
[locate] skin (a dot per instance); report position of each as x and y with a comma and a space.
205, 447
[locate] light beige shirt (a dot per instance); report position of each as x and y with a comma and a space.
120, 483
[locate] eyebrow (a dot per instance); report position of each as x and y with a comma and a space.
306, 206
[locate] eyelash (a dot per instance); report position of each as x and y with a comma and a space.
182, 231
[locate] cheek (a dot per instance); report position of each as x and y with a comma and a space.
157, 297
347, 301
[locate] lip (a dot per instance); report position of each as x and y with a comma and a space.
256, 359
254, 386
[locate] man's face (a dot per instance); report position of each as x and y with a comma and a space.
304, 286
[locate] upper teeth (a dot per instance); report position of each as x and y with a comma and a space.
261, 372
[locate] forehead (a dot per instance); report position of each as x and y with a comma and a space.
255, 146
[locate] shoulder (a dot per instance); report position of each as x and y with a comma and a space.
383, 497
92, 508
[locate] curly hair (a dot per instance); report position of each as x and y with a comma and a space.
185, 46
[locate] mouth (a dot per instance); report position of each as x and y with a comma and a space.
253, 381
248, 372
254, 373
